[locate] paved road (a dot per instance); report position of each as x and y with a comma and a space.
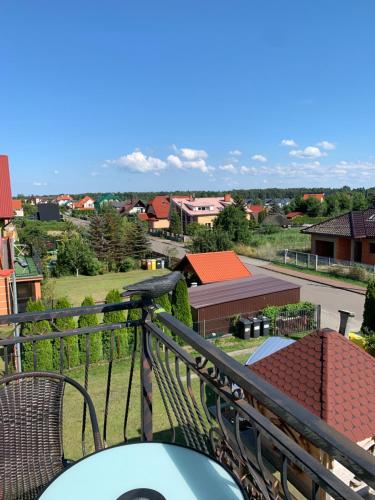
331, 299
82, 223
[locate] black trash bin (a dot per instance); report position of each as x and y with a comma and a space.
265, 327
244, 328
256, 325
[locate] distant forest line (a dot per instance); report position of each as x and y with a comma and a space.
261, 194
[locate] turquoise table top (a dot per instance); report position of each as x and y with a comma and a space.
175, 472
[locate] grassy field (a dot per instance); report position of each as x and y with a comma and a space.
76, 288
266, 246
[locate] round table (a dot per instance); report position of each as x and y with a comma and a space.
171, 471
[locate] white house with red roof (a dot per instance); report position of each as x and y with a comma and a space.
86, 203
64, 200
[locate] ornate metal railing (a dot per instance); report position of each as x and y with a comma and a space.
193, 393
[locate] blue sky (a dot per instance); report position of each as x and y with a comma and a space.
187, 94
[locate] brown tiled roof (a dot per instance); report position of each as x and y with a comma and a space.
355, 224
160, 206
331, 377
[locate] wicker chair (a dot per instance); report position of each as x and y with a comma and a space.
31, 444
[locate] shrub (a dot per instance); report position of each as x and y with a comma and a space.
71, 349
358, 273
180, 305
133, 315
85, 321
43, 348
119, 335
370, 343
128, 264
290, 310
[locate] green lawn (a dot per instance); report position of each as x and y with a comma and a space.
76, 288
266, 246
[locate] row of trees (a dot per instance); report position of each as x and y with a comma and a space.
334, 204
101, 345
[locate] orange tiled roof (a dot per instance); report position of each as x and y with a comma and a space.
319, 196
160, 205
80, 203
331, 377
17, 204
6, 210
211, 267
256, 208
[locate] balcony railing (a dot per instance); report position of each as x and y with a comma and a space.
174, 386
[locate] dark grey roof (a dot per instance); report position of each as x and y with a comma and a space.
277, 220
355, 224
230, 291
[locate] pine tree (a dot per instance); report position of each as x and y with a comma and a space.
96, 237
175, 222
120, 338
85, 321
137, 242
43, 348
71, 349
368, 325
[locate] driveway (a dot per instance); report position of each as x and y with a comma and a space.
331, 299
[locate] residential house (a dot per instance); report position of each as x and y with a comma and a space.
293, 215
48, 211
17, 208
6, 208
254, 211
86, 203
350, 237
210, 267
276, 220
64, 200
37, 200
132, 207
157, 213
200, 210
317, 196
105, 199
335, 380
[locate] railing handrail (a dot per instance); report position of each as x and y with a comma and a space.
68, 312
335, 444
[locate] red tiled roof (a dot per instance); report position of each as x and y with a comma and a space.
17, 204
331, 377
5, 273
63, 197
256, 208
211, 267
6, 209
143, 216
291, 215
160, 206
80, 203
319, 196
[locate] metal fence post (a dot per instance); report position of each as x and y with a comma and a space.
286, 255
308, 261
318, 316
296, 259
146, 385
316, 262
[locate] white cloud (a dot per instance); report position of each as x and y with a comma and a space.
94, 173
248, 170
228, 168
39, 183
308, 152
193, 154
198, 164
56, 172
235, 152
328, 146
289, 142
258, 157
175, 161
138, 162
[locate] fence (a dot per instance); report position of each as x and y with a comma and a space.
282, 322
161, 233
194, 404
318, 263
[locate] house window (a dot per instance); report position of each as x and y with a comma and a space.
372, 247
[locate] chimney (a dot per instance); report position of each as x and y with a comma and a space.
344, 320
227, 198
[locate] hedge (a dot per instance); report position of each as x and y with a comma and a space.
85, 321
71, 349
120, 334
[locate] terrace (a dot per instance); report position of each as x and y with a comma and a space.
174, 387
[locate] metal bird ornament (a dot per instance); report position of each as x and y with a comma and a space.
154, 287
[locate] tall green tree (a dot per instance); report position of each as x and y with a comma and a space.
239, 202
359, 201
232, 220
175, 222
76, 257
71, 348
313, 207
95, 339
180, 304
120, 342
43, 347
137, 241
368, 325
